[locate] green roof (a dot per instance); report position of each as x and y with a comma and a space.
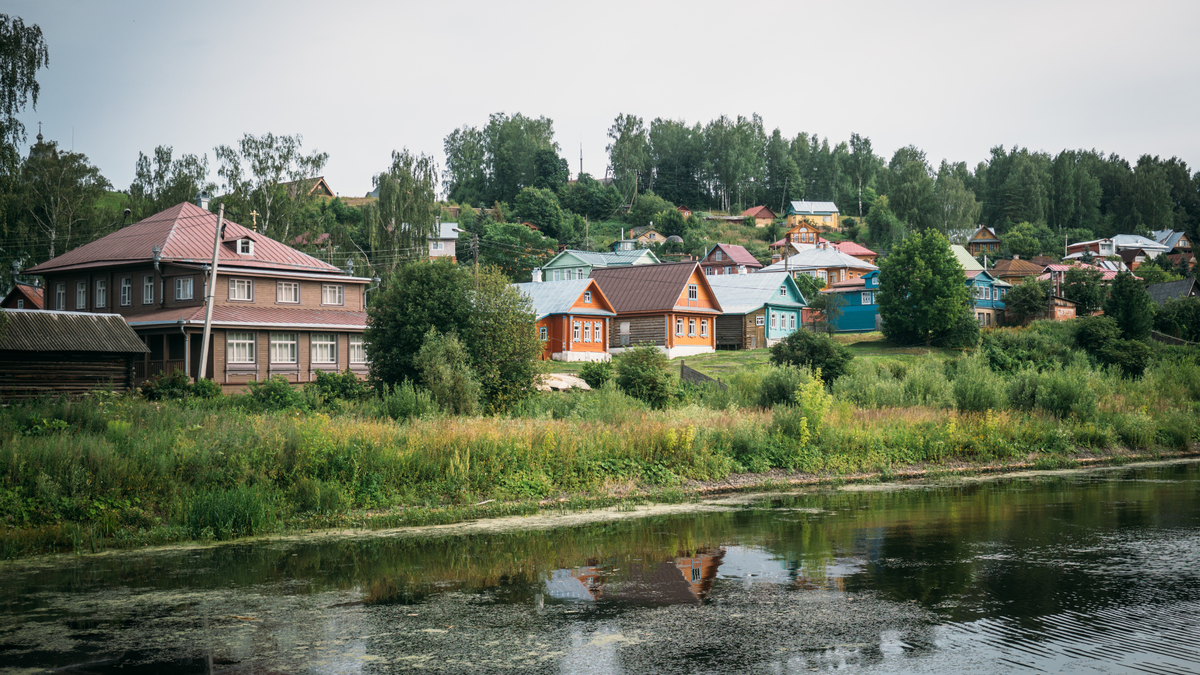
968, 261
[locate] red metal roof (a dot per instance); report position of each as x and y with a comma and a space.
254, 316
185, 233
34, 294
851, 248
738, 255
758, 212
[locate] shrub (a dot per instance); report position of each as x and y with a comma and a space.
173, 386
277, 393
926, 385
964, 333
204, 388
1062, 393
1131, 356
609, 405
596, 373
345, 386
642, 373
802, 348
976, 388
446, 371
1009, 349
406, 401
870, 385
781, 384
225, 514
1093, 333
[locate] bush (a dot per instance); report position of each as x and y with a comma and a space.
607, 404
1009, 349
642, 372
596, 373
870, 385
802, 348
230, 513
781, 384
964, 333
446, 371
1131, 356
1094, 333
203, 388
976, 388
1062, 393
406, 401
345, 386
277, 393
173, 386
926, 385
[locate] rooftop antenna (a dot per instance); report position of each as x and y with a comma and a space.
580, 159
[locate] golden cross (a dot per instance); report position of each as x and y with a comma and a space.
254, 220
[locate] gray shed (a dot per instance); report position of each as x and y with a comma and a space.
53, 353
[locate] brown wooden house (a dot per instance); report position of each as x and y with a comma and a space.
669, 305
23, 296
276, 311
55, 353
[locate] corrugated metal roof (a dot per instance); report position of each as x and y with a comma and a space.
743, 293
754, 212
185, 233
1183, 288
819, 258
1018, 267
558, 296
813, 208
608, 258
738, 255
1138, 241
965, 258
35, 330
978, 235
851, 248
448, 231
647, 288
239, 315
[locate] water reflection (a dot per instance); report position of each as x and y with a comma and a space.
1092, 573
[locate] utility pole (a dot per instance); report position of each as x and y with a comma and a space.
212, 294
475, 253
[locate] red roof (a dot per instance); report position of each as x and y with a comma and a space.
849, 283
308, 238
34, 294
851, 248
1109, 275
256, 316
738, 255
758, 212
185, 233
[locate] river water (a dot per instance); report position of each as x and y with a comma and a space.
1088, 572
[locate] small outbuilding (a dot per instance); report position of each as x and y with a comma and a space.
65, 353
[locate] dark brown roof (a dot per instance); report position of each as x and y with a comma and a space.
650, 288
185, 233
1019, 268
227, 315
34, 330
758, 212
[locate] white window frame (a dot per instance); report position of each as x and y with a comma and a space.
792, 320
575, 331
693, 292
587, 297
60, 295
280, 285
437, 245
866, 298
543, 334
285, 345
148, 289
245, 246
358, 349
783, 291
760, 320
318, 344
20, 303
240, 347
679, 326
598, 331
691, 328
338, 290
126, 291
182, 284
579, 274
80, 295
709, 271
241, 284
704, 328
101, 286
728, 269
587, 331
823, 276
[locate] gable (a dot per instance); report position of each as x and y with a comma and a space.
565, 259
706, 299
599, 301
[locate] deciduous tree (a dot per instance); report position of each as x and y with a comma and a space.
1130, 306
922, 289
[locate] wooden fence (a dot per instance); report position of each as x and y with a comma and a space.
696, 377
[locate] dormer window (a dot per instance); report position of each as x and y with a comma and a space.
245, 246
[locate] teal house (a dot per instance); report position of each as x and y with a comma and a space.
758, 309
572, 264
987, 297
860, 312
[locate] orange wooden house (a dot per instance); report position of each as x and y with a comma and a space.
669, 305
572, 319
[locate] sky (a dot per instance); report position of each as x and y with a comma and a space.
360, 79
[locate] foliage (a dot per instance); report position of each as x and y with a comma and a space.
810, 287
596, 373
1131, 356
1093, 333
1030, 239
781, 384
1060, 392
642, 372
541, 208
167, 182
406, 401
646, 207
829, 307
344, 386
445, 369
398, 225
276, 393
1179, 317
1130, 306
1027, 299
494, 163
922, 289
502, 341
964, 333
589, 198
976, 388
1009, 350
803, 348
61, 190
271, 175
513, 249
1084, 287
177, 386
22, 52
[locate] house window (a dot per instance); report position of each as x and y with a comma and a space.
126, 291
782, 291
708, 271
287, 291
792, 320
80, 295
679, 326
579, 274
283, 348
557, 275
148, 289
587, 296
703, 328
691, 328
717, 255
979, 316
587, 331
693, 292
20, 304
245, 247
987, 293
184, 289
333, 294
60, 296
324, 348
727, 269
575, 332
598, 332
436, 245
822, 276
358, 349
827, 219
542, 333
241, 289
760, 320
239, 347
866, 298
773, 321
989, 319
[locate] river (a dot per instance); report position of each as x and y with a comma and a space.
1080, 572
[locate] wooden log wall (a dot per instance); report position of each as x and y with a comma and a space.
25, 375
642, 330
729, 330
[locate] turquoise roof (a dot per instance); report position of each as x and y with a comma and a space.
745, 293
557, 297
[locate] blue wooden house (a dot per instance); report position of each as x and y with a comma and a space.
987, 297
757, 310
860, 312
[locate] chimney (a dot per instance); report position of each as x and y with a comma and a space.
203, 199
537, 275
1016, 256
775, 257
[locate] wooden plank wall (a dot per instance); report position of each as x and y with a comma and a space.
729, 330
642, 330
24, 375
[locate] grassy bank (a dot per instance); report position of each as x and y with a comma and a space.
122, 471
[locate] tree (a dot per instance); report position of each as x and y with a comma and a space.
803, 348
167, 181
1084, 287
551, 172
1179, 317
588, 197
645, 207
466, 176
22, 53
61, 190
271, 175
503, 341
783, 177
922, 289
514, 249
862, 166
829, 307
670, 223
642, 372
445, 368
957, 209
1130, 306
628, 154
883, 227
1028, 299
1028, 239
541, 208
910, 194
401, 221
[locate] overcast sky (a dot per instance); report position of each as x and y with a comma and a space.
359, 79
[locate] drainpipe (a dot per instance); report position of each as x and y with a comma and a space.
187, 350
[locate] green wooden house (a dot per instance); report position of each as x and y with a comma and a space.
572, 264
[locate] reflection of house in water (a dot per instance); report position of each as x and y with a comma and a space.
682, 580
